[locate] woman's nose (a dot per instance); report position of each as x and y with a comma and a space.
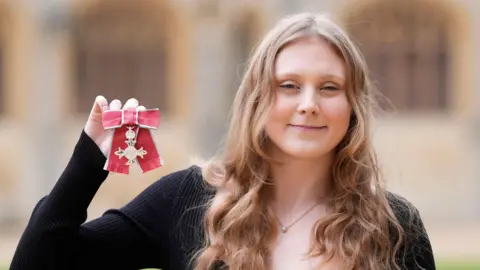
308, 102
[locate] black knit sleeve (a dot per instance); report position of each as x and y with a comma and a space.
57, 236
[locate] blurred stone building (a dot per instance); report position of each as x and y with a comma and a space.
186, 58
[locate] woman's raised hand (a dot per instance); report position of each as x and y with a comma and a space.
94, 126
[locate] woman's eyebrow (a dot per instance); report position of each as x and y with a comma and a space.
327, 76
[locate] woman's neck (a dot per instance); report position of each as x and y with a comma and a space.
300, 183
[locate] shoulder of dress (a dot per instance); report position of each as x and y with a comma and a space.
405, 211
191, 185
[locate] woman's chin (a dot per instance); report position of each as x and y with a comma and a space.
306, 152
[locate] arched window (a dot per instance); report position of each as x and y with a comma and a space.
120, 52
406, 47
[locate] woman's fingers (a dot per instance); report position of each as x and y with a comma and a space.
131, 104
115, 104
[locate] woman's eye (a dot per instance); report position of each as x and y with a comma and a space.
329, 88
288, 86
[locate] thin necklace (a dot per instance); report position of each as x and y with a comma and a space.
285, 228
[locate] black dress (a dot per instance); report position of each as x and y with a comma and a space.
160, 228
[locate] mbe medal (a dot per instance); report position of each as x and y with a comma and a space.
132, 140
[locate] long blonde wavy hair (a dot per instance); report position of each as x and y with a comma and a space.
239, 225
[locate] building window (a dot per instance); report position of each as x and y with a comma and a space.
120, 53
405, 45
243, 38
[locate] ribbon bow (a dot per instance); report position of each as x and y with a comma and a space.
132, 139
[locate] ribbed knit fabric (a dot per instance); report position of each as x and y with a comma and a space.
160, 228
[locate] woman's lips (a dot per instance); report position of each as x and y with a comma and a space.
307, 127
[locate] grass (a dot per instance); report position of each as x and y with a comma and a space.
452, 265
447, 265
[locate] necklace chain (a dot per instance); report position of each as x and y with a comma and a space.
285, 228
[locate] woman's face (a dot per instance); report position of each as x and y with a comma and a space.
311, 113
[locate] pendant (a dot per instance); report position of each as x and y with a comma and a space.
131, 153
284, 229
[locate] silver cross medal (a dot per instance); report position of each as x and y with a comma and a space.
131, 153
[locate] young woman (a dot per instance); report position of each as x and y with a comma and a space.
297, 186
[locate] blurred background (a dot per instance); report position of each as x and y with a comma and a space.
186, 57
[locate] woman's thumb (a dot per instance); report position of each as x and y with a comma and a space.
100, 105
